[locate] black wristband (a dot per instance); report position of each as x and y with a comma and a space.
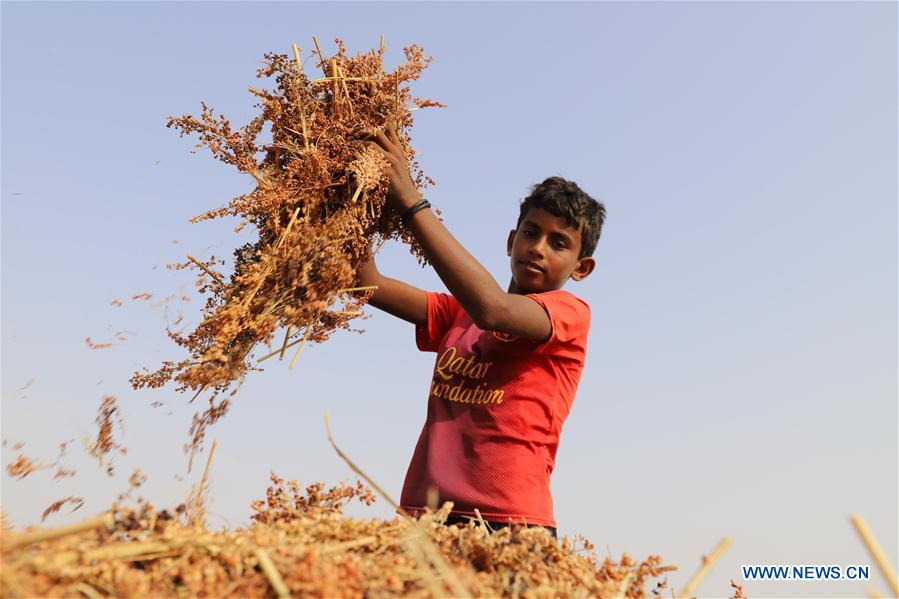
419, 205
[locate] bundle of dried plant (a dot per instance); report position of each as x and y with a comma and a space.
318, 208
301, 544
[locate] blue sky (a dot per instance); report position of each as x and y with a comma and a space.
741, 376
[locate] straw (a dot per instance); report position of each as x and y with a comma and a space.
707, 563
477, 513
359, 471
128, 550
293, 218
449, 577
212, 274
414, 546
335, 76
302, 343
356, 194
296, 56
427, 548
396, 89
342, 81
433, 498
320, 55
208, 464
278, 351
104, 520
87, 590
338, 547
873, 593
274, 577
259, 180
340, 78
284, 345
284, 234
876, 552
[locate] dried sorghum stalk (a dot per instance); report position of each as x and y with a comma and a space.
318, 207
317, 551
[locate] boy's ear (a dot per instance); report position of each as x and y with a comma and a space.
584, 267
509, 242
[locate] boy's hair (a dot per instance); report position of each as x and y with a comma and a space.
563, 198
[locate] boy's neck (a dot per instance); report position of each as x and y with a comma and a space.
513, 288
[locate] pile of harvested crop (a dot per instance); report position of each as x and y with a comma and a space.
318, 208
300, 544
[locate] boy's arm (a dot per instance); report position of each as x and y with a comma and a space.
394, 297
474, 288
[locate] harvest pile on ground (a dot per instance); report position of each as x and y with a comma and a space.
318, 208
300, 544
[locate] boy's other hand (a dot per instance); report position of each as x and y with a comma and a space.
367, 272
402, 193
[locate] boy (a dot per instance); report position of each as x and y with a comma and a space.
508, 363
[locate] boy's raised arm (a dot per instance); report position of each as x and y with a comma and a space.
394, 297
489, 307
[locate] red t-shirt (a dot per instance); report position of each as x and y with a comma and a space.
495, 410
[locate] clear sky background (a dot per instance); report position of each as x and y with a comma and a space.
741, 376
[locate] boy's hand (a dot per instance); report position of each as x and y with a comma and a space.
402, 193
367, 272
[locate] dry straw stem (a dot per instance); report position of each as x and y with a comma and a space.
876, 552
708, 563
212, 274
341, 80
439, 564
339, 547
195, 501
287, 335
127, 550
359, 471
302, 343
284, 235
87, 590
102, 521
346, 90
873, 593
413, 545
208, 465
278, 351
271, 572
356, 195
317, 551
364, 288
296, 56
477, 513
321, 55
396, 89
415, 540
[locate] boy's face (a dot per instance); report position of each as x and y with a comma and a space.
544, 251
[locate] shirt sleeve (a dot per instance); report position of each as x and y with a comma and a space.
570, 319
442, 311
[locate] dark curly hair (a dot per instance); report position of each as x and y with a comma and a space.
563, 198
